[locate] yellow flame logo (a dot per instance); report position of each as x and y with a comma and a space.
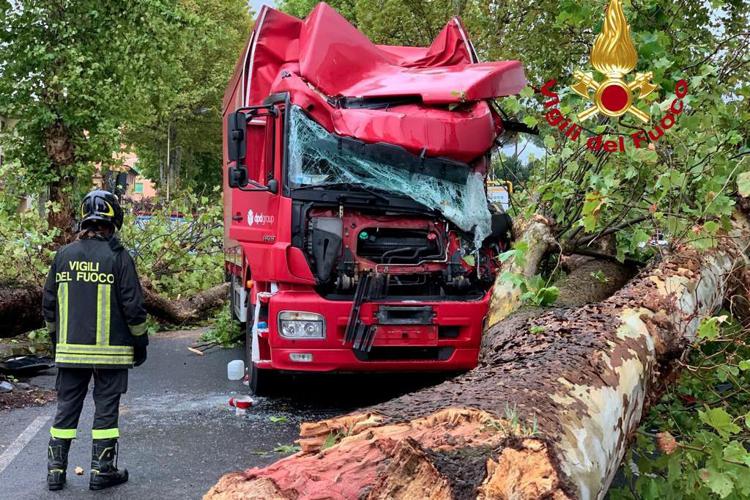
613, 55
614, 52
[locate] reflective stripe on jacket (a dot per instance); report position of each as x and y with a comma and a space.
93, 305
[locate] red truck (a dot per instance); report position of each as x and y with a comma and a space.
358, 232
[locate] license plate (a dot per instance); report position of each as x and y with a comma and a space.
423, 335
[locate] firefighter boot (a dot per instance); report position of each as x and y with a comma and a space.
57, 462
104, 472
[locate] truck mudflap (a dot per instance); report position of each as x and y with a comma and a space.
362, 336
357, 333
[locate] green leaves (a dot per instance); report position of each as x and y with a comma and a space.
709, 327
720, 421
545, 296
535, 291
718, 482
591, 210
286, 449
224, 330
107, 73
180, 257
706, 412
600, 276
736, 452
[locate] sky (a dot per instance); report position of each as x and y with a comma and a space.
257, 4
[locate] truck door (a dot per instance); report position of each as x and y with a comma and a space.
254, 210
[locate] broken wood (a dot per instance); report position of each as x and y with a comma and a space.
21, 307
536, 235
548, 413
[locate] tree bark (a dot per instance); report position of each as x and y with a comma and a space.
61, 153
185, 310
21, 307
548, 413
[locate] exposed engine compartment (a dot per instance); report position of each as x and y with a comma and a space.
389, 245
408, 256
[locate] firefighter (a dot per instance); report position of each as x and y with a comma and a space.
93, 306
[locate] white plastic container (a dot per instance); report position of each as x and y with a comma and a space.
236, 369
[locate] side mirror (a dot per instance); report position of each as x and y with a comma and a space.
237, 176
236, 145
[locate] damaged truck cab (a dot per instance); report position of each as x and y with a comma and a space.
358, 233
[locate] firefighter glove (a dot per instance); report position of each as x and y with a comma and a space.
139, 355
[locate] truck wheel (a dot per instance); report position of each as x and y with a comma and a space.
262, 382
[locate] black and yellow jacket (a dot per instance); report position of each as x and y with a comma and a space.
93, 305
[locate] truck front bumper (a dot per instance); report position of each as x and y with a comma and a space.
450, 343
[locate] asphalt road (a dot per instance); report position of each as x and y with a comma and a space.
178, 435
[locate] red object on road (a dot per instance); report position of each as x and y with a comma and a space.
242, 403
355, 197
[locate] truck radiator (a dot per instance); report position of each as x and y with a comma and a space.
398, 246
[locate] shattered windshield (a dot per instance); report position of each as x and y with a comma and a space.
319, 158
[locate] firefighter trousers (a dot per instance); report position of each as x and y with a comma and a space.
72, 386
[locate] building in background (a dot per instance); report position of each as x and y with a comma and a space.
125, 178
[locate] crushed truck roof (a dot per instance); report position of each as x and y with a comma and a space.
429, 100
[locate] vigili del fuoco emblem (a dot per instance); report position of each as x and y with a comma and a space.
614, 56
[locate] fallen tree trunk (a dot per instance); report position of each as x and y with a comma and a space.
21, 307
184, 310
20, 310
548, 413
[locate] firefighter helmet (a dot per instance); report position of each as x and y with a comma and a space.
100, 205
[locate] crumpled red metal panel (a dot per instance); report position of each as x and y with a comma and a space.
324, 57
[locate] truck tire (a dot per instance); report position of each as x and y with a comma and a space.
262, 382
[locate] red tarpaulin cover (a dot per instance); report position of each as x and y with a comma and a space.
325, 57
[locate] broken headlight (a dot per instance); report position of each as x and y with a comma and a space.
301, 325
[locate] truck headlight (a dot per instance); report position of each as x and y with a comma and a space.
301, 325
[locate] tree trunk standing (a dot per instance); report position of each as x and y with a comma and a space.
61, 215
61, 154
548, 413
